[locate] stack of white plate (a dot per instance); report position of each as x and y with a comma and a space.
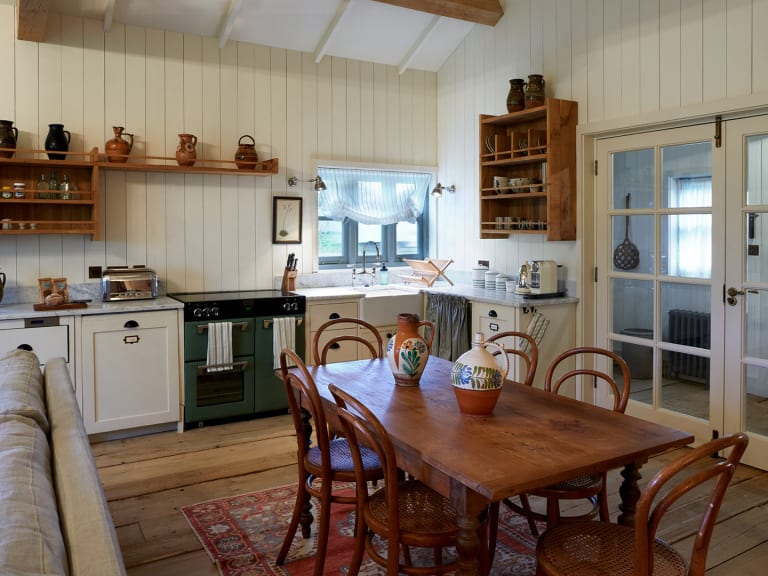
478, 277
490, 280
501, 282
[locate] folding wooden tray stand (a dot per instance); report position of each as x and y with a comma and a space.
427, 271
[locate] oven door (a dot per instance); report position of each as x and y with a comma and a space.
219, 394
270, 390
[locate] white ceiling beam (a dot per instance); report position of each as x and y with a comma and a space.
109, 12
322, 46
487, 12
420, 42
229, 20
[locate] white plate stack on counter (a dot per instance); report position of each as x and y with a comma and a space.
478, 276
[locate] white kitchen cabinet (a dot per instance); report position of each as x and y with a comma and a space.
319, 312
129, 367
560, 334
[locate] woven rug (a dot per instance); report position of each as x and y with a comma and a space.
243, 534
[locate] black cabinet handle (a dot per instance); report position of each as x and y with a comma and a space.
492, 313
334, 316
335, 346
131, 324
26, 347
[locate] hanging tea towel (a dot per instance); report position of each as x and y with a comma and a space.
219, 347
283, 336
536, 329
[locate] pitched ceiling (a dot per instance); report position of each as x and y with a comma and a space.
408, 34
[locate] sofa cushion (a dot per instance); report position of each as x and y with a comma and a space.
21, 386
31, 542
86, 523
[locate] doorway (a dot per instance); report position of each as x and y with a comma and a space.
679, 222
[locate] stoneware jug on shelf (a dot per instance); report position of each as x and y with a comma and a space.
477, 377
516, 96
118, 148
534, 91
407, 351
186, 154
8, 136
246, 156
57, 141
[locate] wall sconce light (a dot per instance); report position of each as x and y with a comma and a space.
437, 191
319, 184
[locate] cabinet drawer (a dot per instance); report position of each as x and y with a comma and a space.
47, 341
347, 350
491, 319
321, 313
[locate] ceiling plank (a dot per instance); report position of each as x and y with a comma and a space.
233, 10
487, 12
332, 28
109, 12
418, 45
31, 17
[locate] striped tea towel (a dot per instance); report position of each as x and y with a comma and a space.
535, 330
219, 346
283, 336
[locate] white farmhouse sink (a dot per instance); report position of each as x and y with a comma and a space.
381, 304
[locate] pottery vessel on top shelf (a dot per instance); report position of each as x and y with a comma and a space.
57, 141
534, 91
186, 154
246, 156
477, 377
407, 351
118, 148
516, 96
8, 136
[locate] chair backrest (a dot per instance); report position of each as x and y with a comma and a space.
683, 475
523, 346
320, 355
363, 428
303, 395
620, 392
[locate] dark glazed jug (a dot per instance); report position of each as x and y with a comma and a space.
8, 136
534, 92
57, 141
246, 156
516, 96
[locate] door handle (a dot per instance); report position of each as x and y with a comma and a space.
732, 293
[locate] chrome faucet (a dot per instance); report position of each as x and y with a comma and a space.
364, 272
378, 256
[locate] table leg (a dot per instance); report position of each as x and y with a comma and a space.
469, 547
630, 493
306, 518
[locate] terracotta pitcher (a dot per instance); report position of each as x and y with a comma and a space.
186, 154
246, 156
118, 148
8, 136
407, 351
477, 378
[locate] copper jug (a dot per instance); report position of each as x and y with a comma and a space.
534, 91
246, 156
118, 148
186, 155
8, 136
516, 96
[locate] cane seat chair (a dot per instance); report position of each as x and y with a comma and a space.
323, 462
404, 512
589, 548
592, 487
321, 347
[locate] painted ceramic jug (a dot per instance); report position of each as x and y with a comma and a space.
477, 377
407, 351
118, 148
8, 136
186, 154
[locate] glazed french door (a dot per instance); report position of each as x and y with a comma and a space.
688, 308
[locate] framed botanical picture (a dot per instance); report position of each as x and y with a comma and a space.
286, 220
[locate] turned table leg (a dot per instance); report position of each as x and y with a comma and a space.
630, 494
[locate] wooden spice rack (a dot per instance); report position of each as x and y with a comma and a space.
427, 271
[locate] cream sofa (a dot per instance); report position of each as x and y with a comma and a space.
54, 517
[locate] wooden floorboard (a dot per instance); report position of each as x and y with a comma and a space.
148, 479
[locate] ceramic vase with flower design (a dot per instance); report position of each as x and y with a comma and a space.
407, 351
477, 377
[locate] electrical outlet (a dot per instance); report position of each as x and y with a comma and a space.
94, 271
485, 263
753, 250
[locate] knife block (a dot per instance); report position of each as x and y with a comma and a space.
289, 281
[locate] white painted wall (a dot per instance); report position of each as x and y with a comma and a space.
199, 232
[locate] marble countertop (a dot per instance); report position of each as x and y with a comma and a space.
25, 310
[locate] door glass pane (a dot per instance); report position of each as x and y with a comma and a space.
633, 323
757, 170
756, 324
633, 174
756, 389
756, 229
686, 173
635, 246
686, 244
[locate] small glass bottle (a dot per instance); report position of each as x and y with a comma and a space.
384, 275
65, 187
53, 184
43, 187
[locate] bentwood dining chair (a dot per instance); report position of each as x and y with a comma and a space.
404, 512
591, 487
346, 329
321, 463
589, 548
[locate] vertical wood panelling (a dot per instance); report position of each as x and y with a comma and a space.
738, 63
714, 49
630, 56
649, 56
691, 65
226, 244
613, 63
7, 63
367, 104
393, 117
268, 262
759, 46
579, 60
379, 113
309, 147
352, 122
595, 60
338, 125
669, 49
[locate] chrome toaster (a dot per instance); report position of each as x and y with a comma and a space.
137, 283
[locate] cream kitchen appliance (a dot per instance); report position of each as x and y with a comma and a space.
123, 283
543, 277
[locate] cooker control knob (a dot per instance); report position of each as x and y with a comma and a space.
287, 306
295, 306
206, 312
197, 313
215, 311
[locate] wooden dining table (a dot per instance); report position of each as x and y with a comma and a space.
532, 439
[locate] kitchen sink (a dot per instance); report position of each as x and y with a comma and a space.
381, 304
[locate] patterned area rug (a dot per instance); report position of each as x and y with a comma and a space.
242, 535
